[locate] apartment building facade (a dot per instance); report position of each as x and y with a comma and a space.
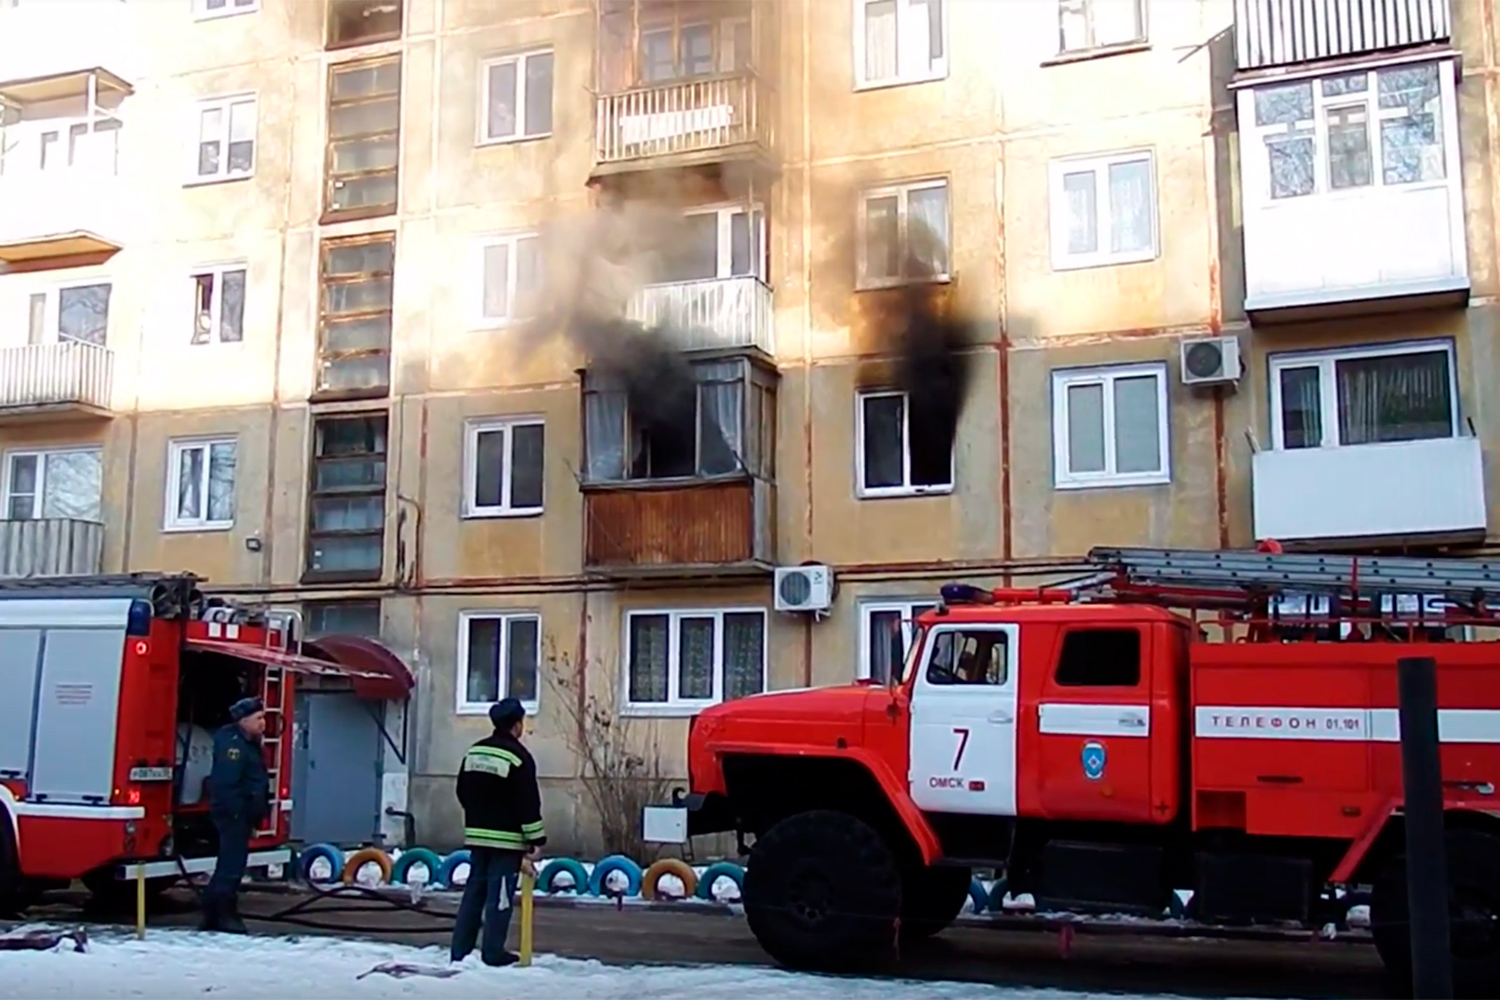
268, 263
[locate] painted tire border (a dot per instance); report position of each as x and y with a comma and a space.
450, 865
560, 866
362, 857
720, 869
610, 865
401, 869
669, 866
328, 852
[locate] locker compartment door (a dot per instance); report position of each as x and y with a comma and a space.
77, 714
20, 660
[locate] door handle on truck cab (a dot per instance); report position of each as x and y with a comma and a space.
1001, 716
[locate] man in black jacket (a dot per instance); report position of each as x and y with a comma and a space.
502, 805
239, 791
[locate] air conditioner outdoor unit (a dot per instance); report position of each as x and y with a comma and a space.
804, 588
1210, 361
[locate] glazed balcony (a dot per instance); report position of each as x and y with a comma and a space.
68, 379
679, 528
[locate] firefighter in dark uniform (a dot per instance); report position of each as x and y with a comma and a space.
239, 801
503, 830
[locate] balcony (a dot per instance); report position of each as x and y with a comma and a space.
72, 219
1275, 33
1423, 491
69, 379
715, 314
683, 122
50, 547
679, 528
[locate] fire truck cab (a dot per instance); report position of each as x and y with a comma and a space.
110, 689
1104, 748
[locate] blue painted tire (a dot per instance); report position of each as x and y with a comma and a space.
563, 866
978, 895
413, 856
450, 865
996, 902
716, 871
611, 864
329, 853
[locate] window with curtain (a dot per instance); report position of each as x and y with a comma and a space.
887, 631
1364, 396
499, 656
517, 98
1109, 426
67, 484
903, 233
1103, 210
511, 277
219, 306
899, 41
688, 659
503, 467
200, 494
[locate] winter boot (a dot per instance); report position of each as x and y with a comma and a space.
213, 913
229, 921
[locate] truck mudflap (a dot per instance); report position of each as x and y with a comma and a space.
198, 866
690, 814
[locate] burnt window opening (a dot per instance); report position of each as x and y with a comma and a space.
905, 446
346, 508
1102, 657
359, 22
721, 424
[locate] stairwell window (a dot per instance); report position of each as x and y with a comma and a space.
899, 41
900, 451
362, 169
58, 483
677, 662
1366, 395
887, 630
499, 655
219, 305
224, 148
517, 99
903, 233
1103, 210
201, 485
1109, 427
503, 467
346, 507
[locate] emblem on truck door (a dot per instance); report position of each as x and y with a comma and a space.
1094, 757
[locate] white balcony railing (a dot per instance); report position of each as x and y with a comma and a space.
52, 546
69, 373
683, 116
714, 313
1400, 489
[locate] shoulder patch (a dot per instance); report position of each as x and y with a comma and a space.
233, 753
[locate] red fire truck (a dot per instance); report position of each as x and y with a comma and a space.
106, 684
1224, 722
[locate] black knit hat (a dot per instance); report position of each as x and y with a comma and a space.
506, 713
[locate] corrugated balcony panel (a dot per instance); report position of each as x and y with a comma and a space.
678, 527
54, 378
50, 547
712, 314
1391, 491
1284, 32
682, 119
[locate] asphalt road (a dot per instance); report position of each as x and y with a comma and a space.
1118, 961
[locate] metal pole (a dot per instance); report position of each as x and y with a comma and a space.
140, 901
528, 885
1426, 861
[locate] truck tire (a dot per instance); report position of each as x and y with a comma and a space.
822, 892
931, 898
12, 897
1473, 907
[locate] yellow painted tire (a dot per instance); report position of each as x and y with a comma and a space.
362, 857
669, 866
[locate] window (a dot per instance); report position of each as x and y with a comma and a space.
968, 657
1103, 210
1333, 399
896, 454
903, 233
1100, 657
219, 305
225, 147
500, 654
205, 9
687, 659
1109, 427
364, 139
1099, 24
354, 343
360, 22
724, 423
200, 485
346, 511
717, 243
510, 279
65, 483
517, 101
899, 41
361, 618
503, 467
887, 631
83, 313
1375, 128
672, 50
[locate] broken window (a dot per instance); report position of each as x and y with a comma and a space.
355, 337
65, 483
898, 452
360, 22
1100, 657
364, 139
346, 517
721, 424
219, 306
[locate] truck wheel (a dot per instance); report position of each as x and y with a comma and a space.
1473, 914
822, 892
930, 900
12, 897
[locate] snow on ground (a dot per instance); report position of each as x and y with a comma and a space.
179, 964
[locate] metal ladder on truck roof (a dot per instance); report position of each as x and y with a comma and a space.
1247, 575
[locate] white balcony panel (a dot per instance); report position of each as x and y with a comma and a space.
52, 376
42, 38
45, 208
1395, 490
715, 313
1284, 32
50, 547
681, 116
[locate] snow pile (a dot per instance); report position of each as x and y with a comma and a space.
181, 964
